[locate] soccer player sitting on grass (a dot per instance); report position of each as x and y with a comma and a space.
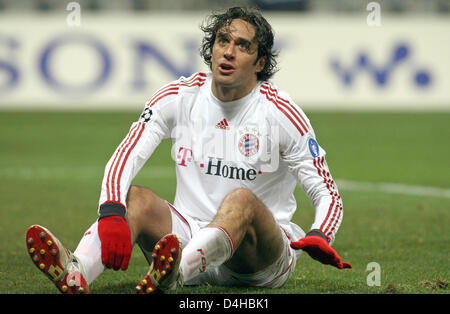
241, 145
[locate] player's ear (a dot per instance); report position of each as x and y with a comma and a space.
260, 64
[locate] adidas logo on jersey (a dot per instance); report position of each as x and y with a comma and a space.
223, 125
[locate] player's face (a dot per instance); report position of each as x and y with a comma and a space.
234, 61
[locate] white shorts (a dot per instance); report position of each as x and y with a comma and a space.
274, 276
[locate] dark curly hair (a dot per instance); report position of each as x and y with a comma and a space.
263, 36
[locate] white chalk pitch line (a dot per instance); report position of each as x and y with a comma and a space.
87, 173
394, 188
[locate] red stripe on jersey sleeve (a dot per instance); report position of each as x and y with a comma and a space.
294, 108
333, 200
108, 179
292, 116
164, 88
175, 92
265, 92
335, 206
172, 89
119, 177
338, 209
113, 179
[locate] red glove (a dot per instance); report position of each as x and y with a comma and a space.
115, 237
319, 249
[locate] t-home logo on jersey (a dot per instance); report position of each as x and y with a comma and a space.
246, 145
218, 167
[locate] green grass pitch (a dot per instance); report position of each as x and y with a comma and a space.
51, 167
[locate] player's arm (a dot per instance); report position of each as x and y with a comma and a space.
153, 125
306, 160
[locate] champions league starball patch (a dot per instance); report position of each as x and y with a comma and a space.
146, 115
313, 147
248, 144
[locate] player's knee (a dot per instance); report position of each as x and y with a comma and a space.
147, 215
140, 201
241, 196
245, 200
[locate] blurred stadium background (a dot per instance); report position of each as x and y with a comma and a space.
373, 77
333, 54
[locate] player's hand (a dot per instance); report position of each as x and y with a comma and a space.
320, 250
115, 239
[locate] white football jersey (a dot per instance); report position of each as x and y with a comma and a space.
263, 142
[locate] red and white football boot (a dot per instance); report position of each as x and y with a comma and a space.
55, 261
164, 273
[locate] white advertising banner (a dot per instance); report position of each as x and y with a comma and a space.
325, 62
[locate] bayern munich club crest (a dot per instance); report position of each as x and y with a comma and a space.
248, 144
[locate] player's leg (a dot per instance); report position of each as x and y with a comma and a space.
244, 235
148, 219
173, 231
251, 225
